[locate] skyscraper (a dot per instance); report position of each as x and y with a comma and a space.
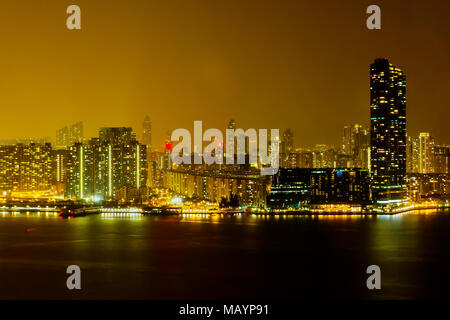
387, 132
147, 133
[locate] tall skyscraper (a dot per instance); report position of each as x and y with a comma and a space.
387, 132
147, 133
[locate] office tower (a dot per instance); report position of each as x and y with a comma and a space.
426, 148
387, 132
147, 133
290, 189
113, 166
313, 188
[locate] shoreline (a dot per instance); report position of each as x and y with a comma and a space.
162, 212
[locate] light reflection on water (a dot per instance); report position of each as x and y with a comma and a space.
128, 255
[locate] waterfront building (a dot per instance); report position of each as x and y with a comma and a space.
290, 189
320, 188
26, 168
388, 133
423, 186
104, 167
214, 184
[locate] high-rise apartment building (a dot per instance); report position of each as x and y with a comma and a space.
113, 166
426, 148
26, 168
387, 132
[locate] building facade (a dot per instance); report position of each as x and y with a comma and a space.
26, 168
319, 188
113, 166
388, 133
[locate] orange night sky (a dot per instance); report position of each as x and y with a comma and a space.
267, 64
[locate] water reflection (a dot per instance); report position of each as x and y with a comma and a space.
126, 255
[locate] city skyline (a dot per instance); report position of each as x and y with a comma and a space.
246, 69
160, 146
376, 168
238, 158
